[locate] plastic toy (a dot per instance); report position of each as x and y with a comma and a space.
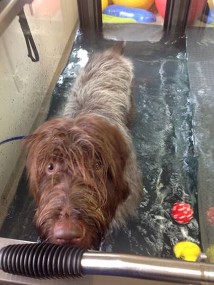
196, 9
112, 19
210, 16
139, 15
161, 6
210, 215
144, 4
187, 250
104, 4
182, 212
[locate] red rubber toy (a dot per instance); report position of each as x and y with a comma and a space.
182, 212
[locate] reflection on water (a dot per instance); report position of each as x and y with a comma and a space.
201, 73
163, 137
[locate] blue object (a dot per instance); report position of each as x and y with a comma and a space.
13, 139
210, 17
140, 15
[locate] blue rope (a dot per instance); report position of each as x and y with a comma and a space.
13, 139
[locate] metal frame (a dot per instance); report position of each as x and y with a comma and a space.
176, 17
90, 16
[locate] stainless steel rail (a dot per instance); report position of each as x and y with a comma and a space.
167, 270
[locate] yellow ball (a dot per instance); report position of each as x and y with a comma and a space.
187, 250
144, 4
104, 4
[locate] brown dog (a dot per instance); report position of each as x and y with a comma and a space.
82, 167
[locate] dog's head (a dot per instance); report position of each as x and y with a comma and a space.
76, 174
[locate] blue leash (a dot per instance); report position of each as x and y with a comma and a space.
13, 139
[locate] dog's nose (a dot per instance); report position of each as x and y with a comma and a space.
67, 234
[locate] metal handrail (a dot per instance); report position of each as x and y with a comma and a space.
149, 268
135, 267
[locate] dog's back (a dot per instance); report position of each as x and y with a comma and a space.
104, 86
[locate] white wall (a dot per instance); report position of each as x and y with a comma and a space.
26, 86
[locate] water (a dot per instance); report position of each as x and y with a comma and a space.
164, 140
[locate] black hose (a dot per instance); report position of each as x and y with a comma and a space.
42, 260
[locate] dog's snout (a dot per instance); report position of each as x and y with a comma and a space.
65, 233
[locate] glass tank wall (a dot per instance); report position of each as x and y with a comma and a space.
171, 46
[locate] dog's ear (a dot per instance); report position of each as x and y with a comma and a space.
35, 144
29, 146
28, 142
46, 132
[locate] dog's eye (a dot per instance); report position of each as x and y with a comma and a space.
53, 167
50, 166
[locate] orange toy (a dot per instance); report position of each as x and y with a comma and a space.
104, 4
144, 4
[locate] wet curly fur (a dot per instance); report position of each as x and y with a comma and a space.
82, 167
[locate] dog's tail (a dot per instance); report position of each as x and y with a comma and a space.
119, 47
